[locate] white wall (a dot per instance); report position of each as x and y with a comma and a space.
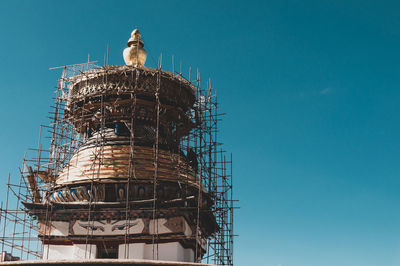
57, 252
170, 251
83, 251
166, 251
134, 251
188, 255
65, 252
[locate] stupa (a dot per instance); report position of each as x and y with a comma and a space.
132, 173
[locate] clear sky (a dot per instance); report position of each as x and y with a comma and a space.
311, 92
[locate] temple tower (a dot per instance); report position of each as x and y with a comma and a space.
133, 170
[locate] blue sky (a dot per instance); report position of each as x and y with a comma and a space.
311, 92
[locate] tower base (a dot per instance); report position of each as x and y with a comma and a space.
103, 262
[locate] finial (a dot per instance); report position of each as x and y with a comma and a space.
135, 54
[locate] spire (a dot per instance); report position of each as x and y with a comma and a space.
135, 54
